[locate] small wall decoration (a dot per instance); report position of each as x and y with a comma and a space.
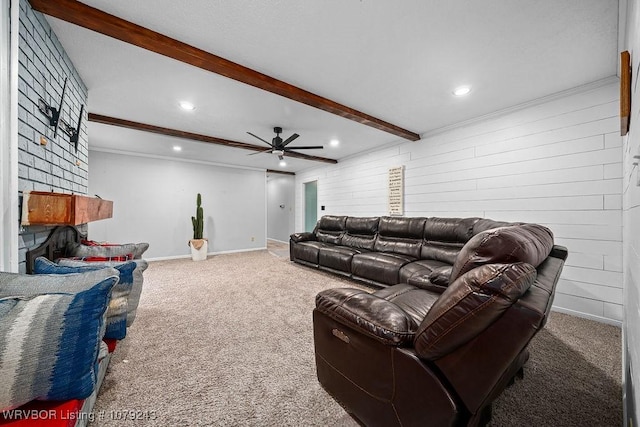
396, 190
625, 92
53, 114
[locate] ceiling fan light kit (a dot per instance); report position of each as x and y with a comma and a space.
279, 147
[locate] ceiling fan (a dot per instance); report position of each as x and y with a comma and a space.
278, 146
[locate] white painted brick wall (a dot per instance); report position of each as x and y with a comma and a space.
43, 65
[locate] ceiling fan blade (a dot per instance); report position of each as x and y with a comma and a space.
259, 152
291, 138
310, 147
255, 136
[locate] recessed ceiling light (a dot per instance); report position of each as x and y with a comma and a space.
461, 91
283, 163
177, 148
187, 106
334, 143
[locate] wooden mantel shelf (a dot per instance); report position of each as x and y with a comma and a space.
42, 208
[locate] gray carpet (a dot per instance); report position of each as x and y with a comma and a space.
228, 342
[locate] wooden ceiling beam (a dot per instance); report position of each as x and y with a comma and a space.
94, 19
280, 172
98, 118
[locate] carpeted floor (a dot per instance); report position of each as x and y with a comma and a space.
228, 341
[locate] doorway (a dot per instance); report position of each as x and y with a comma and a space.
310, 205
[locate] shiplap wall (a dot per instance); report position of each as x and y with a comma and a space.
631, 216
557, 163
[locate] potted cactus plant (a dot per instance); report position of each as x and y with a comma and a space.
199, 245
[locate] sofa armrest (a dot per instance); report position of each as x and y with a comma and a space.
559, 252
368, 314
302, 237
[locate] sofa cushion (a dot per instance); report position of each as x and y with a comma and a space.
379, 267
413, 301
400, 236
437, 281
96, 249
401, 227
530, 243
367, 226
453, 230
118, 303
331, 237
50, 332
440, 276
332, 223
337, 257
360, 232
368, 314
469, 305
358, 242
484, 224
446, 252
330, 229
307, 251
421, 268
445, 237
135, 279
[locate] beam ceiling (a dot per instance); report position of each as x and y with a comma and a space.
94, 19
98, 118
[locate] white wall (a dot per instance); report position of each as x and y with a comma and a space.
631, 215
557, 163
154, 199
9, 207
280, 220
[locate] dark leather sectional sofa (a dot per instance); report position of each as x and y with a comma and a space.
461, 299
385, 251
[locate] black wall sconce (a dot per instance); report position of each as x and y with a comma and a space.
53, 114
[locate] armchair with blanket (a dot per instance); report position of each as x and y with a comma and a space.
60, 325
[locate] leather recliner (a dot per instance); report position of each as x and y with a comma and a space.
408, 356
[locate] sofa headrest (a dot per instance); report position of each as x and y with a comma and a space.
332, 223
530, 243
457, 230
470, 305
401, 227
367, 226
484, 224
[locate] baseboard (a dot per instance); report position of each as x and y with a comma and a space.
234, 251
629, 400
588, 316
279, 241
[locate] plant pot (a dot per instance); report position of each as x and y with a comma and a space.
199, 249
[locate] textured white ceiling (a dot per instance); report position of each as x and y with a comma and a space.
398, 61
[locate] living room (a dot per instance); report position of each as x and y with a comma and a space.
554, 156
